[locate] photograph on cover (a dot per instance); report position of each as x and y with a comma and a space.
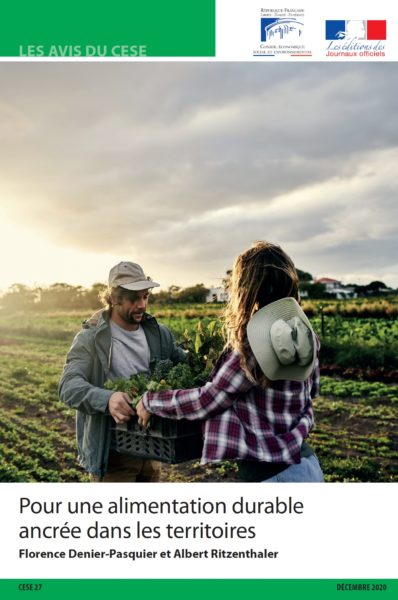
199, 275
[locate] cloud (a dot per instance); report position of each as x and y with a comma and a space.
190, 163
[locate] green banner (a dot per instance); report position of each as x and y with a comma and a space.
119, 29
310, 589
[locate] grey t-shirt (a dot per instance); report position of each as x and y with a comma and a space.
130, 352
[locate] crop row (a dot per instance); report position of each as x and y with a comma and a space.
31, 452
374, 391
377, 309
350, 450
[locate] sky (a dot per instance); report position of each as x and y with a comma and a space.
182, 166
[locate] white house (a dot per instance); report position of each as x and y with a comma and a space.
336, 289
217, 294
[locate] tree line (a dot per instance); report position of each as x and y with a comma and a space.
62, 296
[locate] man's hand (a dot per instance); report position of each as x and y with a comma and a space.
120, 408
143, 414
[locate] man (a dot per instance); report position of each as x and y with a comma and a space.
118, 341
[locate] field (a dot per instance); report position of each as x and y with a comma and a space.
356, 431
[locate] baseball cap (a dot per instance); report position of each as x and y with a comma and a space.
130, 276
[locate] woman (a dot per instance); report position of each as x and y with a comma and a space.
257, 405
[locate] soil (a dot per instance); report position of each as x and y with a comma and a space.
192, 471
382, 375
9, 342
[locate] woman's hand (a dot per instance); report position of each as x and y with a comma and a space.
143, 414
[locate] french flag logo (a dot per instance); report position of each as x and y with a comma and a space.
361, 30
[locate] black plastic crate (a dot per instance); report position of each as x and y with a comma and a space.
166, 440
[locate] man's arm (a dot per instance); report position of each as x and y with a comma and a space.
75, 388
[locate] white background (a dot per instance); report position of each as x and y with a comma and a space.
344, 532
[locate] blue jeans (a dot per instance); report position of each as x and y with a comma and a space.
307, 471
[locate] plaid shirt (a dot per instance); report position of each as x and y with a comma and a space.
241, 419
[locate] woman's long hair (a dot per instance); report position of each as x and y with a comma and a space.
261, 275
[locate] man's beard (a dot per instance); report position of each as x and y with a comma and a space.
130, 318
